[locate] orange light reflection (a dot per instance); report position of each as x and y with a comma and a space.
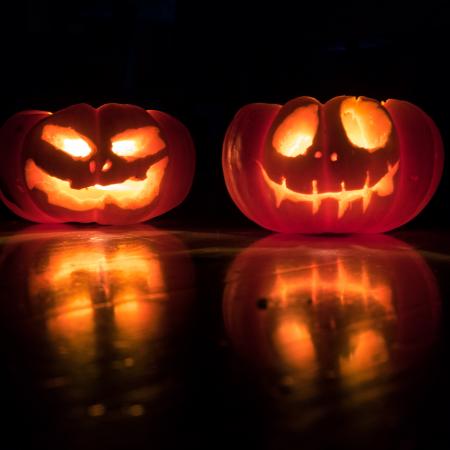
329, 307
87, 276
330, 282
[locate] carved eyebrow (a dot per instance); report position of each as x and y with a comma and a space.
137, 142
68, 140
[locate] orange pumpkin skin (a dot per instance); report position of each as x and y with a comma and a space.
117, 164
349, 165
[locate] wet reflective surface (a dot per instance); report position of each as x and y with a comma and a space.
148, 338
330, 322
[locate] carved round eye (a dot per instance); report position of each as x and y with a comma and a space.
137, 143
297, 131
68, 140
365, 123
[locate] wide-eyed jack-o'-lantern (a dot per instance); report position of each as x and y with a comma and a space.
349, 165
117, 164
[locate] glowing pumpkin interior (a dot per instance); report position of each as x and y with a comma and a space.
297, 132
349, 165
366, 126
129, 145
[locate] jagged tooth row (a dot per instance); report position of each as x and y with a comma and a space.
344, 198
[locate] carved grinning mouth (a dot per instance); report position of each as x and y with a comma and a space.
383, 187
130, 194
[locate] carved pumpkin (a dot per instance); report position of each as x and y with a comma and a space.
350, 165
355, 307
117, 164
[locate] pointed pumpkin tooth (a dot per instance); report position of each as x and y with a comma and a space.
343, 205
278, 199
315, 197
316, 205
279, 193
366, 199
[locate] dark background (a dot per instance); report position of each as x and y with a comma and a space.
201, 63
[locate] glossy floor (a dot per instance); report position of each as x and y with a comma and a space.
130, 338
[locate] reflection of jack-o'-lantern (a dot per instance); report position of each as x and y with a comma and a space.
350, 165
356, 308
106, 308
114, 165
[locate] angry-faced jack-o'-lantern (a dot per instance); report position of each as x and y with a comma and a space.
355, 308
117, 164
105, 308
349, 165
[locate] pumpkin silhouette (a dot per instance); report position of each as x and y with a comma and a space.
350, 165
117, 164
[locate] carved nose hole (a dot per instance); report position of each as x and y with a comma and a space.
106, 166
334, 156
318, 155
92, 166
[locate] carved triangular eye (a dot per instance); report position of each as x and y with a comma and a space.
297, 131
68, 140
366, 123
137, 143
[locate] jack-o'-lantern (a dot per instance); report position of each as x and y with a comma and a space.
349, 165
117, 164
105, 310
356, 309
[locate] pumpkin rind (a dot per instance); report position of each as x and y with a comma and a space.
43, 181
336, 185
